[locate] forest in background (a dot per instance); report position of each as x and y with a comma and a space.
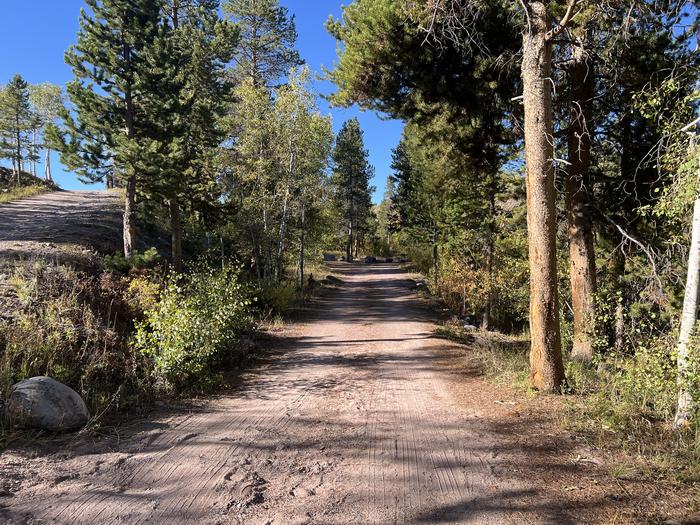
545, 182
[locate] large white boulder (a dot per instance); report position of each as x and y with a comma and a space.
42, 402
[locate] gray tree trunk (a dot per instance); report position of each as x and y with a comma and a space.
47, 166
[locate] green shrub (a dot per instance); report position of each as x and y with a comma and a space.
195, 326
278, 298
117, 263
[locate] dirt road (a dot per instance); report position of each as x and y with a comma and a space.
89, 217
358, 415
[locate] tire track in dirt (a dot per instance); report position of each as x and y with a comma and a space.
351, 422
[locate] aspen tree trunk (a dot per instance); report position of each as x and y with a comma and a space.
47, 166
348, 247
582, 272
34, 153
547, 369
688, 321
618, 271
302, 247
176, 234
282, 235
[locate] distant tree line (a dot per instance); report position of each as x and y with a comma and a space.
28, 116
203, 115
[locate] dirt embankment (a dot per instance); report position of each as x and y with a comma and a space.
357, 415
48, 224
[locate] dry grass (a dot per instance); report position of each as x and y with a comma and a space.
21, 192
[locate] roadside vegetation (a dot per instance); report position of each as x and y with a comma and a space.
29, 186
21, 192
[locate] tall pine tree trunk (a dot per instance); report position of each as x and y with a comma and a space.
129, 232
18, 152
486, 322
688, 321
582, 272
130, 217
547, 369
348, 247
176, 234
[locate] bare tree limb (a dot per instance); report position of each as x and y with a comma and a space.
568, 17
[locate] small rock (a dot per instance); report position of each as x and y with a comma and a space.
42, 402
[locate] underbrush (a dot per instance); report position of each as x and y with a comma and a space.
74, 327
623, 402
20, 192
119, 340
276, 300
501, 358
629, 402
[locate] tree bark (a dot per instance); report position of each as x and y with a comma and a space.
486, 322
436, 261
582, 271
302, 247
688, 321
47, 166
282, 235
547, 369
34, 153
618, 271
18, 152
176, 234
130, 217
348, 248
129, 232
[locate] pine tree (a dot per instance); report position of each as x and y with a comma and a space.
15, 122
268, 35
351, 176
112, 134
186, 100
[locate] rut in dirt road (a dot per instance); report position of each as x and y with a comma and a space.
350, 421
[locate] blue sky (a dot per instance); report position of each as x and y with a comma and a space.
33, 46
